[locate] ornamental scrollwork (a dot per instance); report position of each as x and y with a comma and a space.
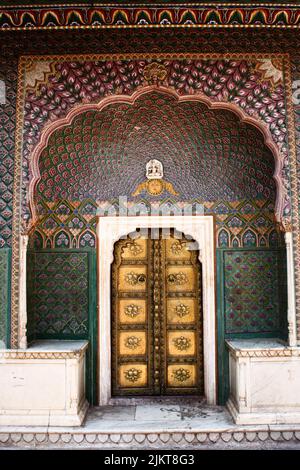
155, 72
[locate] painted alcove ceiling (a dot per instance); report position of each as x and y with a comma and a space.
207, 154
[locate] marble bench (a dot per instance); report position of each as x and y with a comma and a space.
264, 377
43, 384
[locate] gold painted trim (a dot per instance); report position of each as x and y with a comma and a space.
158, 55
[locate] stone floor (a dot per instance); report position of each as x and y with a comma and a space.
158, 414
154, 424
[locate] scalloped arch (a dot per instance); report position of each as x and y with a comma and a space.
130, 100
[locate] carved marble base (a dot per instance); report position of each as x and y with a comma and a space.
43, 385
262, 417
19, 417
264, 382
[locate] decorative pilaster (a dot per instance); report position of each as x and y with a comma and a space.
291, 313
22, 323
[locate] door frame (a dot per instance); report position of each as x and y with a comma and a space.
111, 229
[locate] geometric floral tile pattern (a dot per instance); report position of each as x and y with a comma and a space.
4, 294
251, 291
237, 81
65, 224
8, 73
58, 294
72, 224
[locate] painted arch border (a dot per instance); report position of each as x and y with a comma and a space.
17, 309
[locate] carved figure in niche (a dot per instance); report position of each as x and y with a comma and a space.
155, 184
154, 170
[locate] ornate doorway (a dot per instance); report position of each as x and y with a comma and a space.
156, 315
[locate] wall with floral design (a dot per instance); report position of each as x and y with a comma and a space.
209, 155
66, 209
143, 41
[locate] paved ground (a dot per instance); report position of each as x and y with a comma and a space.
159, 424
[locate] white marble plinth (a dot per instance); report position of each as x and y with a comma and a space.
264, 382
43, 384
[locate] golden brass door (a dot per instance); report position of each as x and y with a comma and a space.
156, 316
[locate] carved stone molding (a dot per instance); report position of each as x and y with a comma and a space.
265, 351
22, 323
13, 354
239, 437
47, 352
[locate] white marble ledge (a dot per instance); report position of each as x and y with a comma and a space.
48, 349
261, 347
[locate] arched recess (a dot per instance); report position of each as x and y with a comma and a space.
131, 100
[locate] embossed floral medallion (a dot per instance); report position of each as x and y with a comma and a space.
182, 343
132, 342
177, 278
133, 278
135, 249
132, 310
177, 247
181, 374
132, 375
181, 310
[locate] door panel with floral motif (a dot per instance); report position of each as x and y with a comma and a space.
156, 316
